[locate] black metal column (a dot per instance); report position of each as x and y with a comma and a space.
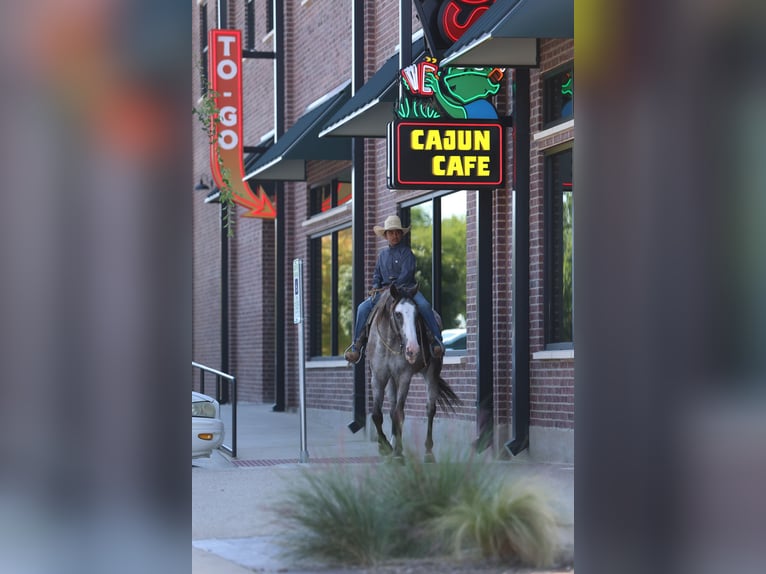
484, 366
357, 217
520, 349
280, 394
223, 396
405, 38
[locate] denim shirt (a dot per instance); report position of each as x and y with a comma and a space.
395, 264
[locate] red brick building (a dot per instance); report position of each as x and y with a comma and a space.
321, 78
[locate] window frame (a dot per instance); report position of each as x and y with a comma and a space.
269, 16
547, 95
315, 287
548, 274
334, 184
249, 31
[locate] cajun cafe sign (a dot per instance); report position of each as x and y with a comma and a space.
447, 134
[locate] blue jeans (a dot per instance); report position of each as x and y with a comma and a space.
427, 312
362, 312
424, 308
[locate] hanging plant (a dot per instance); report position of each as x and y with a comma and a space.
207, 112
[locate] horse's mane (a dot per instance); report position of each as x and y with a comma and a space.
388, 300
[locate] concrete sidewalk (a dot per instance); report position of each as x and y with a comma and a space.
234, 527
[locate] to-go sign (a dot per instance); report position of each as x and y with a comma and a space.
226, 82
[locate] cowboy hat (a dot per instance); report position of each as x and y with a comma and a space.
392, 222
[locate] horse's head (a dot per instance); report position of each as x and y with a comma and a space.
404, 314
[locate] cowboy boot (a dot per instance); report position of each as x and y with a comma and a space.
437, 348
354, 353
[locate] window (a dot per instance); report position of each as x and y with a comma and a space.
203, 47
438, 240
332, 313
269, 16
250, 24
558, 250
558, 96
325, 197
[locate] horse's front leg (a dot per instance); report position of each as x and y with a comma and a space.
397, 416
384, 447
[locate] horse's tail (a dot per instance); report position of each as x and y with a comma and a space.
446, 398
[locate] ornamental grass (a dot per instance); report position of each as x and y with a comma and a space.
461, 506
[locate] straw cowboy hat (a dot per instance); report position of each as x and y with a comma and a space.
392, 222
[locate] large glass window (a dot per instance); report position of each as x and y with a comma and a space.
559, 249
438, 240
332, 314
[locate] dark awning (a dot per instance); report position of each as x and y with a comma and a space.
286, 159
506, 34
372, 107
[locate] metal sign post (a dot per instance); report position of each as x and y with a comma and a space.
298, 320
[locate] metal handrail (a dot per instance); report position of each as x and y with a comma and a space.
232, 450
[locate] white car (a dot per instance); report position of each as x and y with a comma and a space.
207, 426
454, 339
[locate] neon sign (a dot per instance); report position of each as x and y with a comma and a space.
226, 82
445, 21
445, 154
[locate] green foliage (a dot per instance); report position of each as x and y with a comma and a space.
333, 518
420, 243
415, 108
372, 514
453, 271
567, 299
345, 311
453, 261
207, 113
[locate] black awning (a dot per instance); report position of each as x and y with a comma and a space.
506, 34
286, 159
368, 112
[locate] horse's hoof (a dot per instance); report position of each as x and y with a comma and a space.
429, 458
385, 450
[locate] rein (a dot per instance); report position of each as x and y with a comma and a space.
394, 327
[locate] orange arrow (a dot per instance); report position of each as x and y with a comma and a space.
258, 205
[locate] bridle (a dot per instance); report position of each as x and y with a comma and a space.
390, 308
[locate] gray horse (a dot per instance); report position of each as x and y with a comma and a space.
397, 350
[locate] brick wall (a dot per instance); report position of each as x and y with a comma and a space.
552, 380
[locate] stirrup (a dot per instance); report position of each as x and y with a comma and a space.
352, 355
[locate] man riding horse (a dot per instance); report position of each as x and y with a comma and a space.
396, 264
